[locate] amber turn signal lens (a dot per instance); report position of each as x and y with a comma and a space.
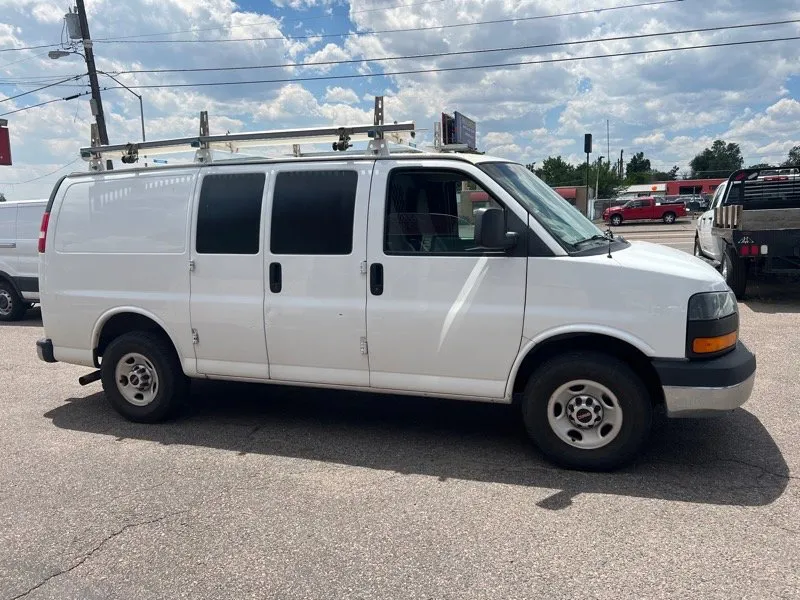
714, 344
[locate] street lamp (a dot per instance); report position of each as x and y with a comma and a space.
56, 54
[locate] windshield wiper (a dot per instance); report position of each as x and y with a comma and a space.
596, 236
607, 235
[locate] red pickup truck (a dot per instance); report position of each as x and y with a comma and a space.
644, 209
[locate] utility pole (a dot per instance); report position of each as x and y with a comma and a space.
97, 102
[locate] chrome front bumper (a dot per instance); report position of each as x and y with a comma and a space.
684, 402
703, 388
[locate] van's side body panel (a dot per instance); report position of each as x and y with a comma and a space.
19, 235
227, 282
8, 239
117, 240
448, 325
316, 320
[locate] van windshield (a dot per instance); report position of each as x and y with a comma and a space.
562, 220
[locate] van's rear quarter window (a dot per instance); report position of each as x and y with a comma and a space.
229, 215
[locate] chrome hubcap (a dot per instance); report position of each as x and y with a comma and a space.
585, 414
6, 303
137, 379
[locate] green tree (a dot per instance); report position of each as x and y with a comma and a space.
670, 175
637, 169
608, 182
719, 160
556, 171
793, 160
760, 166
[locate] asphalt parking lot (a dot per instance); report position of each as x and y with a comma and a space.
261, 492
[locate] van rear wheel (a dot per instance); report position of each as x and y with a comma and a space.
142, 377
588, 411
12, 307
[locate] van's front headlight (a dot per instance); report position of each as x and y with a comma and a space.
713, 324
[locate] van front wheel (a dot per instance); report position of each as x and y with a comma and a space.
586, 410
142, 377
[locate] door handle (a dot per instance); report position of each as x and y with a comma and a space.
376, 279
275, 278
8, 245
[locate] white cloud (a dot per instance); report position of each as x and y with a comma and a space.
341, 95
668, 105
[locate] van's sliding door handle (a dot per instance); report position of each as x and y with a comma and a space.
8, 244
275, 278
376, 279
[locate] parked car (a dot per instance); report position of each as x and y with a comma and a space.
752, 226
357, 273
644, 209
19, 260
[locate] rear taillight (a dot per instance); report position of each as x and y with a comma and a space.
43, 231
749, 249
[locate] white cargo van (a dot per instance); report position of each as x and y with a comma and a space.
19, 260
374, 274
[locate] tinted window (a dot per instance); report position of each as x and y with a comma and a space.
433, 212
229, 215
312, 212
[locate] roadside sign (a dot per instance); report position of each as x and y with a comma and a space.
465, 131
5, 144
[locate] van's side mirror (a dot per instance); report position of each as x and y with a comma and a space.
490, 230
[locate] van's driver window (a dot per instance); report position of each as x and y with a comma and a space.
431, 211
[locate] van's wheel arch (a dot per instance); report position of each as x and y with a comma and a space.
142, 377
587, 410
12, 306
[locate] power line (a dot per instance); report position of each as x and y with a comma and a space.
406, 30
44, 87
299, 19
27, 58
11, 112
459, 52
27, 48
41, 176
461, 68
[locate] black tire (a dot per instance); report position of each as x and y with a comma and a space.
698, 251
668, 218
734, 269
612, 373
616, 220
173, 385
12, 306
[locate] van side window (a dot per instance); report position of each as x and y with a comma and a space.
229, 215
429, 211
312, 212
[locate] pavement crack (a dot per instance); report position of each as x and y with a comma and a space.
764, 470
94, 550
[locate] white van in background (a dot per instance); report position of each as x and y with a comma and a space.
19, 259
373, 274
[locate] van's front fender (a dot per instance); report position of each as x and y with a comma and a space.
556, 333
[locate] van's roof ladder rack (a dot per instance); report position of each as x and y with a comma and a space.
340, 138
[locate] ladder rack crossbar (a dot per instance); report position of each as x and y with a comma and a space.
248, 139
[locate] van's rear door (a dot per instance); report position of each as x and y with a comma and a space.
29, 220
8, 239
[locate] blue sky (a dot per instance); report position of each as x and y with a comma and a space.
668, 105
